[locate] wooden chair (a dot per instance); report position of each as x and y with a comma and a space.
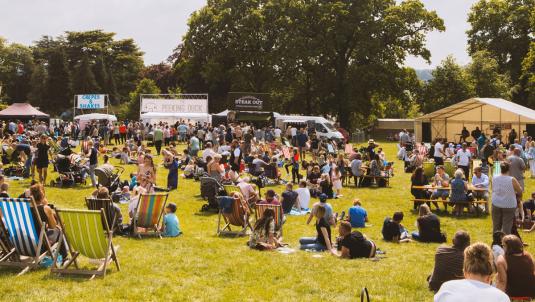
84, 235
149, 213
27, 243
234, 214
279, 214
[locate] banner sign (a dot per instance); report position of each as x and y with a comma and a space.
91, 101
174, 105
248, 103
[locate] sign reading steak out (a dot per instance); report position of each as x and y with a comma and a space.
248, 103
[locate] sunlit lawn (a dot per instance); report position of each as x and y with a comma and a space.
199, 266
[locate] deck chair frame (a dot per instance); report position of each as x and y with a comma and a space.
227, 229
11, 256
155, 227
279, 215
66, 268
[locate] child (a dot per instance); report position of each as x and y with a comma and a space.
125, 195
170, 221
4, 187
133, 181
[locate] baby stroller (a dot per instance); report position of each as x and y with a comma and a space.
109, 177
210, 189
70, 170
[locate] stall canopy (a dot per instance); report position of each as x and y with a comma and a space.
22, 111
96, 117
485, 113
156, 117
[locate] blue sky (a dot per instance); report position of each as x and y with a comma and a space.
158, 25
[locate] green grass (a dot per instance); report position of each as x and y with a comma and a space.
199, 266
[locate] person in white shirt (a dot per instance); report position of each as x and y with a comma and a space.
303, 195
208, 151
450, 151
248, 190
277, 132
439, 152
478, 272
463, 160
481, 181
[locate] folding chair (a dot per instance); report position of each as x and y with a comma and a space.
279, 214
96, 204
234, 214
84, 235
27, 243
231, 189
149, 213
496, 168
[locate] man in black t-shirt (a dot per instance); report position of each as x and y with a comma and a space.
393, 230
289, 199
354, 245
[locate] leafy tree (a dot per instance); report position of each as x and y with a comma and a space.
503, 28
16, 67
83, 78
485, 78
58, 94
162, 74
449, 85
145, 86
101, 74
38, 84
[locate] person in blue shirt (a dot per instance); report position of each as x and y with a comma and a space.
357, 215
171, 227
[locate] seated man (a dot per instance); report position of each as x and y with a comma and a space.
329, 216
481, 181
529, 206
353, 244
449, 261
393, 230
271, 198
247, 190
290, 198
357, 215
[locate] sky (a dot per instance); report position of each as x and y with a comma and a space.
157, 26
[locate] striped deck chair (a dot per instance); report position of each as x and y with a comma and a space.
28, 243
279, 214
496, 168
96, 204
84, 235
149, 213
239, 217
231, 189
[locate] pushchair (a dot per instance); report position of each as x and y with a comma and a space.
210, 190
109, 177
14, 166
71, 171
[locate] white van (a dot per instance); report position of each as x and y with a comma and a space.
323, 127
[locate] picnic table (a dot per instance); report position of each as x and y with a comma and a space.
447, 201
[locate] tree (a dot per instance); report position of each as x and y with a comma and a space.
58, 94
38, 84
16, 67
101, 74
449, 85
83, 78
162, 74
504, 29
485, 78
145, 86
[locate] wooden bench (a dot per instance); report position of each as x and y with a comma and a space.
448, 202
374, 179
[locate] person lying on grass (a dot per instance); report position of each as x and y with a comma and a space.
393, 230
353, 245
322, 241
449, 261
264, 236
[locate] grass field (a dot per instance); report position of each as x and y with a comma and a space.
199, 266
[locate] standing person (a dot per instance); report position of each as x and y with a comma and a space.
517, 166
235, 156
93, 161
439, 153
336, 178
476, 133
302, 140
157, 138
463, 157
356, 168
531, 157
449, 261
512, 136
42, 158
194, 146
464, 135
116, 135
122, 132
478, 269
516, 269
505, 191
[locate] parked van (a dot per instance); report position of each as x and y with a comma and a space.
324, 127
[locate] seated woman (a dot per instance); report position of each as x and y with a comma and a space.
326, 185
322, 242
441, 180
516, 269
428, 227
214, 168
459, 189
375, 166
264, 236
104, 193
418, 179
53, 229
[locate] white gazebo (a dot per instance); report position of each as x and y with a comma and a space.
485, 113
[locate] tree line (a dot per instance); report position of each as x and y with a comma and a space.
341, 58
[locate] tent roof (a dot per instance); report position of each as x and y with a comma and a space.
474, 103
96, 116
20, 110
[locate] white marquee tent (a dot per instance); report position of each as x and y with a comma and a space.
485, 113
172, 117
